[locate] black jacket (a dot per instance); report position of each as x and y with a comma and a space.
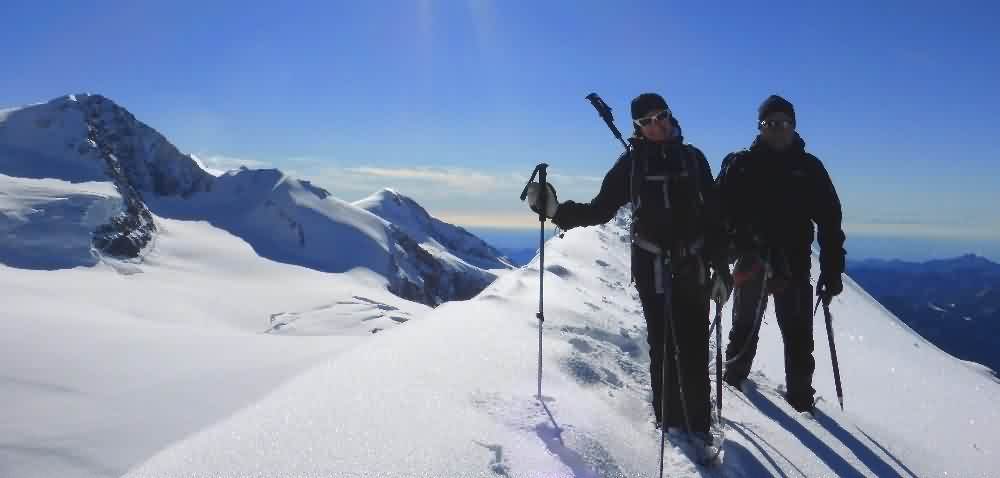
694, 210
770, 199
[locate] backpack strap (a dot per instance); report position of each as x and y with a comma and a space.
696, 167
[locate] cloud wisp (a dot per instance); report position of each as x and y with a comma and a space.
464, 180
457, 195
217, 165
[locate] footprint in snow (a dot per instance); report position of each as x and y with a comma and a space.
559, 271
581, 345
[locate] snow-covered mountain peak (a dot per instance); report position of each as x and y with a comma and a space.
49, 140
391, 202
260, 183
88, 137
431, 232
387, 194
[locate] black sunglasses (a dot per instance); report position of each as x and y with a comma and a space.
776, 124
663, 115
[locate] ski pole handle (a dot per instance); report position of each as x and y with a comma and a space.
544, 190
539, 171
540, 168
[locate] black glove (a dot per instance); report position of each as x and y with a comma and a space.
722, 285
829, 286
551, 201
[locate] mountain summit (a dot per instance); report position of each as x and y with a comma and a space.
56, 154
432, 233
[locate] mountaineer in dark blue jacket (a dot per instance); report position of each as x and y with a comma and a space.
771, 194
677, 235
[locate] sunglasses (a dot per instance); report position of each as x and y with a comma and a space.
661, 116
776, 124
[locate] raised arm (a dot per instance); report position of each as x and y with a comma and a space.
613, 195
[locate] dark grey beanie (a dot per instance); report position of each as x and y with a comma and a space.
775, 104
647, 102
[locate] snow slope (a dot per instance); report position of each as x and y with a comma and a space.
109, 359
452, 395
291, 221
105, 365
49, 224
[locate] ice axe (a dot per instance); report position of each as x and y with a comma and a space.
605, 112
825, 300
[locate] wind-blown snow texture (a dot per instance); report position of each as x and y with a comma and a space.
452, 395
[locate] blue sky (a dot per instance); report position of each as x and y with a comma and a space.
454, 102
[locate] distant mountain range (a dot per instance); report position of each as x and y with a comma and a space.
83, 178
954, 303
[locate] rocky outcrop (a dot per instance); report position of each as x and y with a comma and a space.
136, 158
419, 276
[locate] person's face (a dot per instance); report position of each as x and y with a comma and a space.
656, 126
777, 130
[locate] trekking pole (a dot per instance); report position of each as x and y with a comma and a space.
668, 287
833, 347
543, 190
605, 111
718, 360
663, 399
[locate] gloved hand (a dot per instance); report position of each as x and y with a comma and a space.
744, 272
551, 201
722, 285
829, 286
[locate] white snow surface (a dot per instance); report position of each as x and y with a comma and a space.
48, 223
244, 284
105, 365
453, 394
49, 140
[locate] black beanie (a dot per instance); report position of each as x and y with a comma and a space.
775, 104
647, 102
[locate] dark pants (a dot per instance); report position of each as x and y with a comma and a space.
793, 309
690, 302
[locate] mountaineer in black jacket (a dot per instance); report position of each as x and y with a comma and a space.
771, 195
677, 235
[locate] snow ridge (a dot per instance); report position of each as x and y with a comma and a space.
432, 232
